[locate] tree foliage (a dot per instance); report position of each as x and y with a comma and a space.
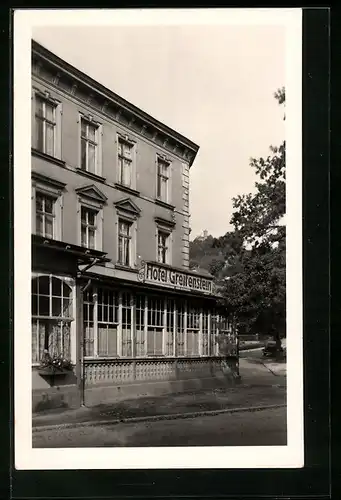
257, 294
249, 261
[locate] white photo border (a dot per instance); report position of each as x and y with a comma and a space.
28, 458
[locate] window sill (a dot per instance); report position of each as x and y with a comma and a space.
127, 189
164, 204
126, 268
44, 156
90, 175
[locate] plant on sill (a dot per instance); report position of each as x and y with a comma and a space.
54, 364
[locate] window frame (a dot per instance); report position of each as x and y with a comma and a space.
89, 120
46, 189
162, 160
129, 237
47, 98
71, 319
125, 139
88, 203
125, 215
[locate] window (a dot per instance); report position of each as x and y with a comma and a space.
126, 325
125, 162
124, 242
88, 227
45, 124
162, 179
193, 329
180, 328
155, 326
170, 304
51, 317
45, 215
88, 321
205, 333
215, 319
140, 325
162, 245
89, 146
107, 317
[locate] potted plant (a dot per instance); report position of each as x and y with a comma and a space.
54, 365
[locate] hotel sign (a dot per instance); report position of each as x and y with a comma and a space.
151, 272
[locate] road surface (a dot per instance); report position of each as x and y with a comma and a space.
259, 428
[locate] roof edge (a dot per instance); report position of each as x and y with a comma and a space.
54, 60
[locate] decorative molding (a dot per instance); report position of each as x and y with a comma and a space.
127, 205
92, 192
164, 204
44, 156
48, 180
127, 189
164, 222
90, 175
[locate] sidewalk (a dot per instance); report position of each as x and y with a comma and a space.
259, 387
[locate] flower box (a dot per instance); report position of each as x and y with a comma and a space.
52, 371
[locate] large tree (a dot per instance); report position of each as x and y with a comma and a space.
255, 289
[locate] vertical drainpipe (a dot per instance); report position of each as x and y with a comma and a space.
79, 342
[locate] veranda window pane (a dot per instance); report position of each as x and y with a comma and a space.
89, 337
57, 287
158, 342
112, 341
102, 340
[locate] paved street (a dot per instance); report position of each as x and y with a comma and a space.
259, 428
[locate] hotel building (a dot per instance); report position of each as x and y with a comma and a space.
112, 292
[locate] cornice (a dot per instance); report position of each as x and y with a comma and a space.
77, 84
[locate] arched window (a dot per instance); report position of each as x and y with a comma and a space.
51, 316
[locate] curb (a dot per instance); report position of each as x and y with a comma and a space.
153, 418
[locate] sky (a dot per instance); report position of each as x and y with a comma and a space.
213, 84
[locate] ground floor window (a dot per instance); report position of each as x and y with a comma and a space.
51, 317
127, 324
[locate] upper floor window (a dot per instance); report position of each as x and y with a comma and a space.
47, 206
163, 168
89, 146
45, 124
88, 227
124, 242
45, 215
163, 247
125, 162
51, 316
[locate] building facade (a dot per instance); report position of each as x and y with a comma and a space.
112, 294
